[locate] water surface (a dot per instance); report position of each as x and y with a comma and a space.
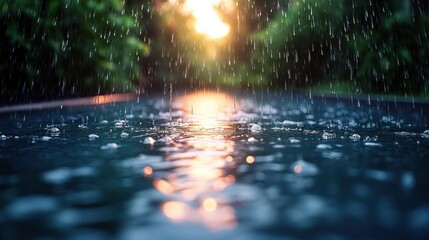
210, 165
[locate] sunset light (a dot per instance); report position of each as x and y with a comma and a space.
206, 17
202, 159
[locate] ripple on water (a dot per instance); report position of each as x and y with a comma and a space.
279, 146
45, 138
332, 155
373, 144
110, 146
304, 168
292, 123
57, 176
141, 202
307, 211
63, 175
378, 175
408, 180
74, 217
269, 158
274, 167
418, 219
138, 163
92, 234
87, 197
31, 206
323, 146
387, 214
405, 134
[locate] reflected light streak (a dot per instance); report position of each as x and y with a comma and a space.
205, 173
207, 105
201, 158
97, 100
163, 186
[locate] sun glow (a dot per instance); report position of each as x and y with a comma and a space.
206, 16
208, 107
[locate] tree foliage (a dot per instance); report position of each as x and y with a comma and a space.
58, 48
367, 46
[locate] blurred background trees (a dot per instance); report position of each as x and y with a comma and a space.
60, 48
348, 46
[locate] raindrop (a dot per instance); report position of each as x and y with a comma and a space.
252, 140
110, 146
149, 140
355, 137
54, 130
46, 138
328, 136
256, 128
93, 136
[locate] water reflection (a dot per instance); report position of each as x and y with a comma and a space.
203, 156
96, 100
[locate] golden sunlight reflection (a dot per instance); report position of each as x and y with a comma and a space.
222, 182
210, 214
297, 169
202, 156
147, 171
250, 159
209, 204
208, 105
163, 186
206, 16
176, 211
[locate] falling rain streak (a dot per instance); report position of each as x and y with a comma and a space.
214, 119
